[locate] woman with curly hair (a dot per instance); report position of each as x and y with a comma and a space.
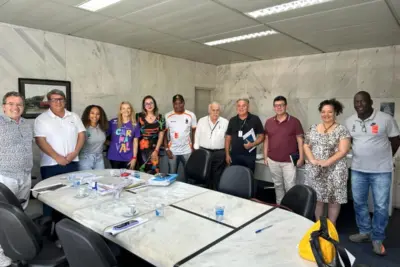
326, 145
152, 127
91, 155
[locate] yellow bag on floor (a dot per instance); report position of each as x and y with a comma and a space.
324, 231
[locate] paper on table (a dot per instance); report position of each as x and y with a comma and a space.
351, 258
250, 136
114, 232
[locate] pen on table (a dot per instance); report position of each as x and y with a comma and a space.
262, 229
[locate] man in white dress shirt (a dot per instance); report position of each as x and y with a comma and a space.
210, 135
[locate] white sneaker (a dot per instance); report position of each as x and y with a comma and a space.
4, 260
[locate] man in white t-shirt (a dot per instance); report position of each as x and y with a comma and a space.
60, 135
181, 126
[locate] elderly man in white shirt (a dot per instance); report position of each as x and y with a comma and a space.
210, 135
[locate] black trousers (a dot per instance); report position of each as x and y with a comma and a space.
217, 167
248, 161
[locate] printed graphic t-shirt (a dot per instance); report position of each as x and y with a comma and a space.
121, 144
180, 128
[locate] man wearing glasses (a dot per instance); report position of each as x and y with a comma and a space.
375, 139
60, 135
283, 144
16, 159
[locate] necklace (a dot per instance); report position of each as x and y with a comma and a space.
326, 129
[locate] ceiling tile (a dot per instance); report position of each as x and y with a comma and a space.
108, 31
200, 20
198, 52
128, 6
238, 32
77, 20
272, 46
17, 8
162, 11
248, 6
144, 37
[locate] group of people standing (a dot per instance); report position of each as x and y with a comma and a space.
69, 143
373, 138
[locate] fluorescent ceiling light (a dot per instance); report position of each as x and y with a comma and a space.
285, 7
94, 5
241, 38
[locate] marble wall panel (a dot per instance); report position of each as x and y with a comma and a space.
376, 70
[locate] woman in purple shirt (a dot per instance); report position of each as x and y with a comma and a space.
125, 134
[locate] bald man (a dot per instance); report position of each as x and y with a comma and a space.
210, 135
375, 139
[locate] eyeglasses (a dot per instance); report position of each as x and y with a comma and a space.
14, 105
279, 105
149, 104
57, 100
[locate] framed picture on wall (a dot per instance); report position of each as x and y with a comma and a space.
34, 92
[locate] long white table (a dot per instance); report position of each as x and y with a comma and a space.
188, 233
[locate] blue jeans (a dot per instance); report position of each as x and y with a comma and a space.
91, 162
174, 163
380, 185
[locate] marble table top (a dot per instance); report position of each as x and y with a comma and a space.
188, 225
163, 241
237, 210
275, 246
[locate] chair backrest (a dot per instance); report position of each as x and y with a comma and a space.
82, 246
19, 237
301, 199
7, 196
198, 166
238, 181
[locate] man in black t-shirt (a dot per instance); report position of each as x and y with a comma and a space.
238, 151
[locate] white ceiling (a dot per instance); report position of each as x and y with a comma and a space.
180, 27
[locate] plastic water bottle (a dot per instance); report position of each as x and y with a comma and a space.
219, 213
93, 189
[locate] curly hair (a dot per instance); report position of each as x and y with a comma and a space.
103, 121
337, 106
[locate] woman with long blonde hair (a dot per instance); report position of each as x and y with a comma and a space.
125, 134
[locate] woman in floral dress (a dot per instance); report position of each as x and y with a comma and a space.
152, 127
326, 145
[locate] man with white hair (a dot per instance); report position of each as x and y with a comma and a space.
210, 135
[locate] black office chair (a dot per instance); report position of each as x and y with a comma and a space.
238, 181
84, 247
22, 242
7, 196
197, 168
301, 199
